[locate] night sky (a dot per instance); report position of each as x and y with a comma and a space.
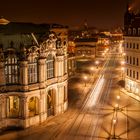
98, 13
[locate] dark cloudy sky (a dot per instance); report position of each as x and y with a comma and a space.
99, 13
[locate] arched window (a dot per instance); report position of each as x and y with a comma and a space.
134, 31
129, 31
11, 70
13, 106
32, 70
50, 67
50, 102
33, 106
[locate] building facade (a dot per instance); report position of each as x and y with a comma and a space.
132, 50
86, 47
33, 81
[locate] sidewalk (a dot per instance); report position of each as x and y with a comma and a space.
133, 95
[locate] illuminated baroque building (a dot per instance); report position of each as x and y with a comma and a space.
132, 50
33, 68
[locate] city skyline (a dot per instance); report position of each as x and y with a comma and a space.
98, 13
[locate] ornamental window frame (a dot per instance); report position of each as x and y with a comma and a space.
11, 70
50, 67
32, 70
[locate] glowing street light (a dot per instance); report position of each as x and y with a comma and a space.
97, 63
85, 79
118, 97
122, 62
92, 70
114, 126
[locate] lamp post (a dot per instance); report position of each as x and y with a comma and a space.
85, 79
92, 70
97, 63
122, 69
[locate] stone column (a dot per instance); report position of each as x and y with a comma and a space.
24, 107
24, 75
41, 72
59, 66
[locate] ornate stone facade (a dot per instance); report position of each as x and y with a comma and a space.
33, 81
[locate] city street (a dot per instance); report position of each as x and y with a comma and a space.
98, 110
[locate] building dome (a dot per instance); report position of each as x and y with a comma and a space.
3, 21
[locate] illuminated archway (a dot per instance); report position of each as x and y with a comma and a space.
13, 106
33, 106
50, 102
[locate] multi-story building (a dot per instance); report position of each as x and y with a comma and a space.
33, 73
132, 50
86, 47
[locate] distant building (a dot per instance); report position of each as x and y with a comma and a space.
86, 47
33, 68
132, 50
71, 58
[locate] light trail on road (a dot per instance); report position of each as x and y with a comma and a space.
87, 122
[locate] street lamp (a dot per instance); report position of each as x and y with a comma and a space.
122, 69
97, 63
114, 125
92, 69
122, 63
85, 78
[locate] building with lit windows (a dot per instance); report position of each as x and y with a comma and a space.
33, 73
86, 47
132, 50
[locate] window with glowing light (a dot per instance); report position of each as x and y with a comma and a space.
32, 70
11, 70
33, 106
50, 67
137, 76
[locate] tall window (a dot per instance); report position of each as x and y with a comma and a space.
134, 31
130, 73
137, 61
133, 45
127, 72
137, 76
50, 67
133, 74
133, 60
127, 45
127, 59
32, 70
130, 60
11, 70
129, 31
137, 46
130, 45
